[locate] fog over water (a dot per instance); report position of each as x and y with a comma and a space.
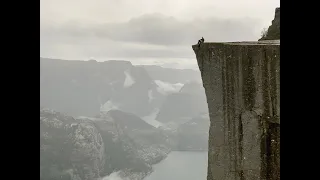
121, 94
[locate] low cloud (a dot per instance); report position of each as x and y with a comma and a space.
150, 35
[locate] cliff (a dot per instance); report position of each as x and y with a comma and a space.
69, 149
242, 86
273, 31
91, 148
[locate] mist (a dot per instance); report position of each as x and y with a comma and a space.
121, 93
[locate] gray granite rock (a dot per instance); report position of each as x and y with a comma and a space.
242, 86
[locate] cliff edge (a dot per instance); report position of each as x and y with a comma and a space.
242, 86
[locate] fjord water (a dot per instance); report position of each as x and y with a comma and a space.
181, 165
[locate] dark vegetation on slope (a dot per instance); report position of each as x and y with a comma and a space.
273, 31
69, 149
90, 148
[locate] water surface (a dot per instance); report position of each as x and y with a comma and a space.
181, 165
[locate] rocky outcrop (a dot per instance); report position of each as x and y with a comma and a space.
91, 148
152, 144
273, 32
242, 86
69, 149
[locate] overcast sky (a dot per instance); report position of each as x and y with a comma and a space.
146, 31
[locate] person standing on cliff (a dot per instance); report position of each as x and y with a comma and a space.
200, 41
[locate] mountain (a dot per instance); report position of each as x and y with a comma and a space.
120, 118
193, 135
182, 106
90, 148
69, 149
84, 88
172, 75
149, 138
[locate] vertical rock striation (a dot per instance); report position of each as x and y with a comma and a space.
242, 85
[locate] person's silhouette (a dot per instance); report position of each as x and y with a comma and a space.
200, 41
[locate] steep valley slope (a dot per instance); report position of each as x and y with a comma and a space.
91, 148
105, 117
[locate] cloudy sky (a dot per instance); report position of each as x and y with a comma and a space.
146, 31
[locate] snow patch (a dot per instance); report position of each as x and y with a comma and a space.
53, 122
120, 175
150, 95
113, 176
151, 119
167, 88
129, 80
109, 105
90, 118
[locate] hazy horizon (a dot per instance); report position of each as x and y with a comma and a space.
146, 32
120, 121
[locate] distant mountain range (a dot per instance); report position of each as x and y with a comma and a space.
102, 117
171, 75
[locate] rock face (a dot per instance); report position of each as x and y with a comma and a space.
91, 148
152, 145
69, 149
242, 86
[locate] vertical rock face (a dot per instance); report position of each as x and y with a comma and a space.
242, 85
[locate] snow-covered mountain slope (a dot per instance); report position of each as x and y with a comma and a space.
167, 88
